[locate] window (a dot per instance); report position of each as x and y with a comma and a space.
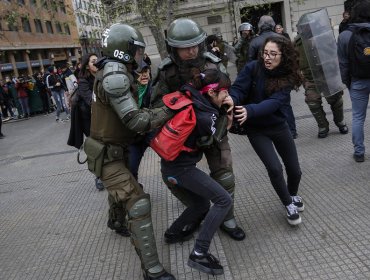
62, 7
26, 25
49, 27
214, 19
33, 2
66, 29
38, 26
21, 2
58, 27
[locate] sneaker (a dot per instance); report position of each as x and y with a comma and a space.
206, 263
293, 215
68, 117
297, 201
57, 119
171, 238
359, 158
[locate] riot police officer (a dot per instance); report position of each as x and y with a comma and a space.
116, 121
186, 48
242, 46
313, 97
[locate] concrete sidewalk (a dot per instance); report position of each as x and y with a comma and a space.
53, 220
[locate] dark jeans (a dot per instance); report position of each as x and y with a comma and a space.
136, 153
264, 141
202, 189
287, 110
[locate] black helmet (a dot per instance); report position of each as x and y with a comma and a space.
121, 41
184, 33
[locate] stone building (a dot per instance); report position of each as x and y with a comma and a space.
226, 15
90, 24
35, 34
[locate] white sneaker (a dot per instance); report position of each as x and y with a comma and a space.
297, 201
293, 215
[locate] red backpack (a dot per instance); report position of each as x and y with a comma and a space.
169, 142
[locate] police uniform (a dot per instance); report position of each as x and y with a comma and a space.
314, 99
116, 122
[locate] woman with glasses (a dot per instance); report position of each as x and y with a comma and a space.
260, 92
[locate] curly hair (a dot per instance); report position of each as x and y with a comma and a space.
287, 73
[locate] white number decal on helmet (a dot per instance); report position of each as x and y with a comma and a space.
105, 37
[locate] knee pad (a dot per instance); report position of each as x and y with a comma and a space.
226, 180
139, 207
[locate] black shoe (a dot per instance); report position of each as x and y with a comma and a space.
121, 230
294, 134
236, 233
171, 238
343, 129
164, 276
323, 132
2, 136
359, 158
206, 263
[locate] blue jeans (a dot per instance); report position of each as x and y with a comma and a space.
59, 100
359, 93
202, 189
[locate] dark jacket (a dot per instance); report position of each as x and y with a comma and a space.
206, 116
343, 53
262, 110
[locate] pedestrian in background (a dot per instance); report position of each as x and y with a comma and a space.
55, 85
81, 106
354, 66
266, 84
22, 89
43, 92
279, 29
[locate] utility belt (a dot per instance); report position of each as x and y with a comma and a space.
99, 154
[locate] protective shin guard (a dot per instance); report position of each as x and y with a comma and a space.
319, 115
142, 235
336, 105
227, 181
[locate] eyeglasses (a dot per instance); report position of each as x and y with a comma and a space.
271, 55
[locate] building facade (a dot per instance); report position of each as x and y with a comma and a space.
90, 24
226, 15
35, 34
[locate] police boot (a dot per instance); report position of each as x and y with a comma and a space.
320, 117
117, 217
142, 237
336, 105
229, 226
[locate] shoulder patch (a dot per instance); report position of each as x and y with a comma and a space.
211, 57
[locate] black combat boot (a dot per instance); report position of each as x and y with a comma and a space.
323, 132
162, 276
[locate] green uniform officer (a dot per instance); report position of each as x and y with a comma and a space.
314, 99
186, 47
242, 46
116, 121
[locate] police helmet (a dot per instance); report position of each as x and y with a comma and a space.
121, 42
245, 26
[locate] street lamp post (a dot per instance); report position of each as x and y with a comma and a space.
84, 41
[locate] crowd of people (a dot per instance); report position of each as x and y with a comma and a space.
41, 93
117, 110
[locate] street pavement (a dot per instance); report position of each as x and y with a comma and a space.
53, 219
